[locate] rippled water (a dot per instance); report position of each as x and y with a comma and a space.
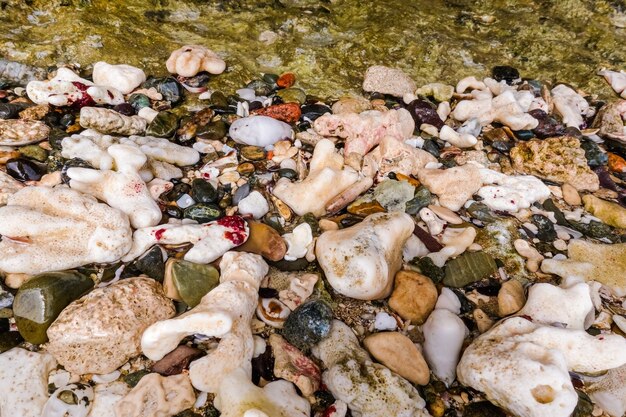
327, 43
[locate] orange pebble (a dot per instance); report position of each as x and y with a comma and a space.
286, 80
616, 163
270, 155
286, 112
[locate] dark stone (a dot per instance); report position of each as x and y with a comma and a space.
11, 110
67, 120
545, 228
297, 265
25, 170
503, 147
175, 193
480, 211
548, 126
311, 220
263, 366
218, 99
177, 360
212, 131
125, 109
311, 112
594, 229
288, 173
308, 324
584, 407
423, 111
198, 81
421, 199
558, 214
133, 378
164, 125
203, 191
483, 409
174, 212
139, 101
427, 267
595, 156
9, 340
151, 263
261, 87
524, 134
504, 72
468, 268
55, 137
241, 193
41, 299
73, 163
431, 147
203, 212
191, 280
171, 89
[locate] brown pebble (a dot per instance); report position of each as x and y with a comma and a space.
177, 360
285, 112
399, 354
570, 195
264, 241
414, 296
511, 298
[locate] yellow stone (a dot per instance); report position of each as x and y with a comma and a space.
610, 213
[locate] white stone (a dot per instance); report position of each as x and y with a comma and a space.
385, 80
384, 321
616, 79
399, 157
123, 189
327, 179
24, 382
124, 78
434, 223
189, 60
61, 90
237, 396
210, 240
54, 229
300, 288
254, 204
147, 113
570, 105
469, 82
414, 248
361, 261
370, 389
610, 392
508, 108
225, 312
523, 366
260, 131
511, 193
455, 241
444, 333
298, 241
109, 121
549, 304
448, 300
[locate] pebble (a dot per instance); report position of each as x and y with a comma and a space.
292, 365
348, 104
298, 242
570, 195
254, 204
308, 324
264, 241
483, 321
398, 353
384, 321
124, 78
23, 169
176, 361
511, 298
610, 213
261, 131
156, 395
188, 282
189, 60
414, 296
286, 112
41, 299
163, 125
468, 268
292, 95
286, 80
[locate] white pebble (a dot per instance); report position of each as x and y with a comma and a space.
298, 242
185, 201
448, 300
103, 379
288, 163
560, 244
147, 113
254, 204
384, 321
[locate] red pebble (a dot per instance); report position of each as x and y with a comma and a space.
286, 80
85, 100
286, 112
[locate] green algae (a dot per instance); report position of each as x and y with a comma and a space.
328, 44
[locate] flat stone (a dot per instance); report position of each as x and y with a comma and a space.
385, 80
414, 296
610, 213
592, 262
190, 281
398, 353
511, 298
101, 331
177, 360
15, 132
570, 195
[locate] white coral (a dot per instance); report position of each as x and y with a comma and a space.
52, 229
523, 366
328, 178
123, 189
616, 79
361, 261
192, 59
570, 105
67, 88
111, 122
211, 240
157, 396
225, 312
511, 193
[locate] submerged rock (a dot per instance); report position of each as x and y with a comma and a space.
385, 80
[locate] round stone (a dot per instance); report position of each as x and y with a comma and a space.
308, 324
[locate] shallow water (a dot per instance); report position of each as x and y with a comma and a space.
329, 44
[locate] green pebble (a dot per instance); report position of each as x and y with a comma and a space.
468, 268
193, 281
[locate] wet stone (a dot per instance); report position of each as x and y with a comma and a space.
428, 268
151, 263
171, 89
505, 73
468, 268
9, 340
212, 131
23, 169
125, 109
203, 212
365, 208
483, 409
260, 87
524, 134
253, 153
595, 156
287, 173
203, 191
313, 111
164, 125
133, 378
424, 112
41, 299
545, 228
548, 126
246, 168
10, 110
191, 281
73, 163
175, 193
241, 193
308, 324
292, 95
139, 101
431, 147
35, 152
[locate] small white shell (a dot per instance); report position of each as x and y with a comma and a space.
55, 407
